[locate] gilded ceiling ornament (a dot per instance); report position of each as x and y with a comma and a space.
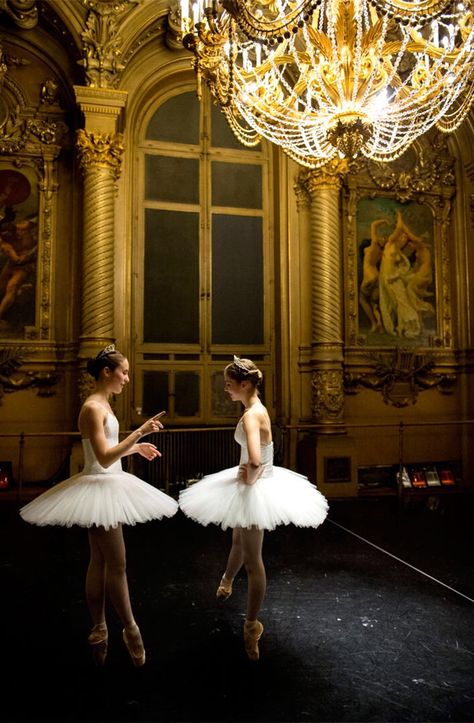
46, 131
16, 127
24, 13
13, 128
102, 45
102, 149
9, 61
49, 91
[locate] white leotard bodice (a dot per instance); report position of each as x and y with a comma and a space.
266, 450
91, 465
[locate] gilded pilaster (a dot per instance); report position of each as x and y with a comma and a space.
323, 187
100, 151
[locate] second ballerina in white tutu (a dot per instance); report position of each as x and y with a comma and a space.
102, 498
251, 498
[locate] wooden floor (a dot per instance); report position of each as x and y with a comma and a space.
369, 618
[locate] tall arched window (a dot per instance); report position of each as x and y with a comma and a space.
204, 260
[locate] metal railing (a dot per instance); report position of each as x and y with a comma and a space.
188, 453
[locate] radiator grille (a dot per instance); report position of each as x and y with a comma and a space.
187, 454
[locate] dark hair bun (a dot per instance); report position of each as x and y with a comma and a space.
109, 357
91, 366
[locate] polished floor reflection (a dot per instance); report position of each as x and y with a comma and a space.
351, 632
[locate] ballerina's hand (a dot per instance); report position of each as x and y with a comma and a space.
148, 450
242, 474
152, 425
254, 472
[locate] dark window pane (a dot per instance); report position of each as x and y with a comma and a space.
236, 184
186, 394
155, 393
237, 280
221, 134
171, 179
171, 295
177, 120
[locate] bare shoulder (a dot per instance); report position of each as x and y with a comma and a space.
91, 411
92, 406
257, 416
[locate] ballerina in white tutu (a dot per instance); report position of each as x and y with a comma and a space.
103, 497
251, 498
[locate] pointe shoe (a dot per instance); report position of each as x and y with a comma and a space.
225, 589
253, 630
134, 644
98, 639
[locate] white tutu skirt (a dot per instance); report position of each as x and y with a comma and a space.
105, 500
283, 498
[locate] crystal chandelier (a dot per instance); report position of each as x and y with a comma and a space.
327, 77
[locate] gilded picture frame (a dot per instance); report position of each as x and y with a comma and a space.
397, 220
26, 209
396, 272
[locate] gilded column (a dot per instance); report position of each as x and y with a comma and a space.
327, 398
100, 150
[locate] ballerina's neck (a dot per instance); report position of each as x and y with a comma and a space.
251, 406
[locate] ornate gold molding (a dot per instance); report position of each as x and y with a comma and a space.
13, 380
46, 261
100, 149
49, 92
471, 208
303, 199
327, 395
24, 13
426, 168
18, 130
174, 33
400, 375
469, 170
86, 385
102, 43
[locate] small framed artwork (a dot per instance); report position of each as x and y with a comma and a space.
6, 476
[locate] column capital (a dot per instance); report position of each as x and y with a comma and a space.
101, 107
328, 176
100, 149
